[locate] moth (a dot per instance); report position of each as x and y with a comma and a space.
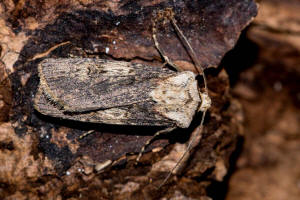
118, 92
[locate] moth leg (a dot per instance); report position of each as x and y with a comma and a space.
46, 53
168, 14
161, 52
195, 138
167, 130
86, 134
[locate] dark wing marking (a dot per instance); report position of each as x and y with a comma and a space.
84, 84
142, 113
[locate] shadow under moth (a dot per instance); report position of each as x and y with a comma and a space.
118, 92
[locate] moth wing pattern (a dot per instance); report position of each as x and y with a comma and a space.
85, 84
116, 92
136, 114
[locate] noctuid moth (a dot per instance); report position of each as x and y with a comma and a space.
118, 92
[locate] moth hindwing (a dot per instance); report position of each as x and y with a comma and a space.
116, 92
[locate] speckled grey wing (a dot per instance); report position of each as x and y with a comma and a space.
114, 92
85, 84
142, 113
100, 91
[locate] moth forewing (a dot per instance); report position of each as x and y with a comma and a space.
116, 92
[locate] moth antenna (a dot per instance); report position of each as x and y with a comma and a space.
166, 59
197, 132
191, 52
86, 134
205, 100
46, 53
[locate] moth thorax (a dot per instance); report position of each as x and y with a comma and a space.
177, 98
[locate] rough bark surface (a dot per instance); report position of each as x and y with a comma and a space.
43, 158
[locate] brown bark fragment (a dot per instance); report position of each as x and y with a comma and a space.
5, 94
